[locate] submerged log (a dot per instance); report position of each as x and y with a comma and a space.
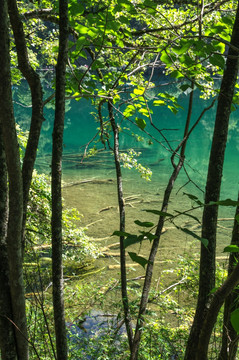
117, 244
87, 181
114, 267
106, 208
110, 254
132, 197
117, 266
100, 239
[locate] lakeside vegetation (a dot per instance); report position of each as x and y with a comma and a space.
112, 54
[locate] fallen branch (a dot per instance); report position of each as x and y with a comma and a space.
106, 208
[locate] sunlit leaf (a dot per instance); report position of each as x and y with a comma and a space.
139, 91
165, 58
158, 103
173, 109
231, 248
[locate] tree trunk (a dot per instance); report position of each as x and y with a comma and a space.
15, 191
230, 337
7, 338
57, 269
212, 313
124, 293
209, 222
34, 82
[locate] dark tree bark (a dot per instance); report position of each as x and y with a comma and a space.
212, 313
213, 185
124, 293
230, 337
15, 191
7, 338
57, 270
34, 82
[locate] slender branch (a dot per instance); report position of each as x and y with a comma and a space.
22, 334
127, 317
213, 310
154, 248
178, 26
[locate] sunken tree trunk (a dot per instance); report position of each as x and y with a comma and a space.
57, 269
213, 185
14, 229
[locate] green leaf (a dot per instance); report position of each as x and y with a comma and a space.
141, 123
120, 233
235, 320
176, 74
194, 198
76, 9
228, 20
167, 96
216, 29
132, 239
217, 60
231, 248
159, 102
189, 215
183, 47
237, 218
165, 58
189, 232
148, 235
218, 46
139, 91
185, 87
227, 202
160, 213
55, 49
138, 259
144, 224
173, 109
81, 29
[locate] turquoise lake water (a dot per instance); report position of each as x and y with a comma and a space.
80, 128
93, 197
